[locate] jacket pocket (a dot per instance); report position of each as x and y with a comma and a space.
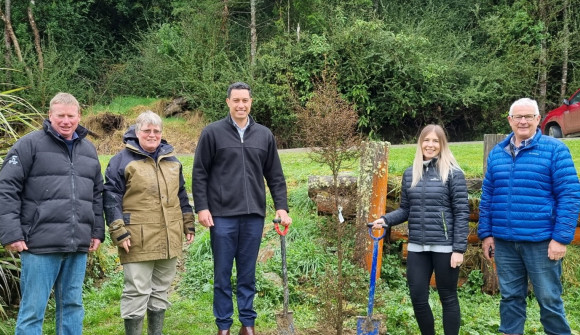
444, 225
32, 226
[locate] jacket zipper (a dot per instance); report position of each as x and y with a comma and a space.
444, 225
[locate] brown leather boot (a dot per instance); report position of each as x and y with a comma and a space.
245, 330
223, 332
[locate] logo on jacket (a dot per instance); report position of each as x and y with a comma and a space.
13, 160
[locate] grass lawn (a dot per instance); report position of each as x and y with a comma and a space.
308, 257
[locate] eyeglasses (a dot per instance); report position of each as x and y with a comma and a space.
149, 131
528, 117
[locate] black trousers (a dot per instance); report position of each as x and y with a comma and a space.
420, 266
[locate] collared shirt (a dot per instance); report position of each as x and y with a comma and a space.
69, 143
513, 150
241, 131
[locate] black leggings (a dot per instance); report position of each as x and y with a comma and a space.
420, 266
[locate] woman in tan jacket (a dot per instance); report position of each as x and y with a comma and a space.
147, 210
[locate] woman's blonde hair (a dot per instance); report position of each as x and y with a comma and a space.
446, 163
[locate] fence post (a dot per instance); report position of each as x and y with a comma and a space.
372, 199
491, 283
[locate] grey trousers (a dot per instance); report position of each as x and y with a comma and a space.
146, 286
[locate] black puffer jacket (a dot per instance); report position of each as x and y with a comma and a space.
50, 199
437, 213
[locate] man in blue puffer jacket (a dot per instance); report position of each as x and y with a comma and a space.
528, 213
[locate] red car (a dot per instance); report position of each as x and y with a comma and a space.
564, 120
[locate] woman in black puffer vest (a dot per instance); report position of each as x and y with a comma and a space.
434, 202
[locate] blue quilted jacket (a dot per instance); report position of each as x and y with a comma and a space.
532, 197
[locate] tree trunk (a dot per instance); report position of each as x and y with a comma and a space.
543, 60
7, 41
12, 35
36, 37
253, 33
224, 25
565, 48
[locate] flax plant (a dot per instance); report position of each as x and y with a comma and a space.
17, 116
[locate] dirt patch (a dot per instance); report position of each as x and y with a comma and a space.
181, 131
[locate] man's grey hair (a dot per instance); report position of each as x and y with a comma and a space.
239, 86
64, 99
525, 102
148, 118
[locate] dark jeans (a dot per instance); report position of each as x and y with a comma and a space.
239, 238
420, 266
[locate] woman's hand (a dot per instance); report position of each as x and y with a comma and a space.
456, 259
378, 223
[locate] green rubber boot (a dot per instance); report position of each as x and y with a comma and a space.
155, 321
133, 326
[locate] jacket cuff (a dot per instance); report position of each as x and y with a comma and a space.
188, 223
118, 232
384, 217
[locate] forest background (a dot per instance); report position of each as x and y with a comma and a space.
403, 63
400, 63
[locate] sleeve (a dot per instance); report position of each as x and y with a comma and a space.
400, 214
484, 226
12, 180
114, 190
186, 210
202, 163
566, 190
460, 208
99, 225
275, 176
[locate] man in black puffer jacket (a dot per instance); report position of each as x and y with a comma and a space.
52, 213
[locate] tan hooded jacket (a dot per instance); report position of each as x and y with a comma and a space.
146, 201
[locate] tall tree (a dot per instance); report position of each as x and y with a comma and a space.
565, 48
7, 54
36, 36
253, 33
10, 31
543, 70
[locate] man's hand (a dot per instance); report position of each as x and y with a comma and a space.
204, 217
556, 250
95, 242
17, 246
283, 216
488, 246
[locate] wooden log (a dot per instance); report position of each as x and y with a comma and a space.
347, 184
319, 191
325, 205
490, 280
371, 199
